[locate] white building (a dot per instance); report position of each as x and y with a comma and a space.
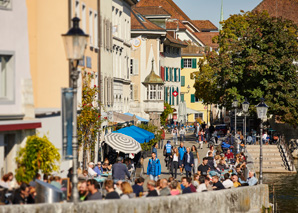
16, 93
121, 22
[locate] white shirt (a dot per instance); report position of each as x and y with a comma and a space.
202, 187
91, 172
182, 132
175, 157
264, 136
228, 184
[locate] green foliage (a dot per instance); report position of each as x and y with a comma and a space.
164, 115
88, 121
157, 132
255, 60
39, 154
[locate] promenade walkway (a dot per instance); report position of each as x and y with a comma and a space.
189, 141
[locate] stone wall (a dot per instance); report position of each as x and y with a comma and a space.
244, 199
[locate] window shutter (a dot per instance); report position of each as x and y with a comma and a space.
111, 36
182, 63
179, 73
170, 96
182, 97
177, 96
104, 29
175, 74
100, 31
167, 73
135, 92
171, 74
112, 92
194, 63
162, 73
192, 98
166, 94
182, 81
135, 66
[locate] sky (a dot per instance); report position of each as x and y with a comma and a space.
210, 9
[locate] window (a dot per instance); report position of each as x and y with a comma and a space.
182, 97
192, 98
91, 27
131, 92
84, 17
5, 4
95, 30
182, 81
197, 100
6, 77
77, 9
134, 66
199, 115
187, 63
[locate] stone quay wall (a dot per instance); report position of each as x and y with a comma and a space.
243, 199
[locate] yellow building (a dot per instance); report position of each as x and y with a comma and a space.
47, 20
196, 110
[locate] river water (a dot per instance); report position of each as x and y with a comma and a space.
286, 190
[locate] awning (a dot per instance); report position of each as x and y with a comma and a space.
19, 125
143, 131
121, 118
136, 133
191, 111
138, 117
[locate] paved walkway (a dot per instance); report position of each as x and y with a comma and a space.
189, 141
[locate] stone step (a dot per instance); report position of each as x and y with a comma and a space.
273, 154
273, 171
267, 150
276, 163
270, 167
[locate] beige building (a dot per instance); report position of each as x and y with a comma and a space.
16, 94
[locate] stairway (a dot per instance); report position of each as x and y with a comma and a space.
272, 160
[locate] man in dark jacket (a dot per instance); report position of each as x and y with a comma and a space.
119, 170
188, 162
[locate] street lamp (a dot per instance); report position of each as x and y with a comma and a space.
75, 41
262, 109
235, 105
245, 106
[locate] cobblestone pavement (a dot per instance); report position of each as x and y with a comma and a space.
189, 141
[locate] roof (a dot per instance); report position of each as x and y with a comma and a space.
206, 38
204, 25
153, 10
173, 25
152, 78
139, 22
167, 5
281, 8
175, 41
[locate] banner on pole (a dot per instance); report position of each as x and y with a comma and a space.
67, 120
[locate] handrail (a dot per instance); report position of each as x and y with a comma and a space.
288, 156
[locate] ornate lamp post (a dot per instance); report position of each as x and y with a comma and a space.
245, 106
262, 109
75, 41
235, 105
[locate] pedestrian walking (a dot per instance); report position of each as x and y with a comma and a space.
188, 162
154, 168
196, 159
182, 133
175, 162
163, 136
181, 151
175, 135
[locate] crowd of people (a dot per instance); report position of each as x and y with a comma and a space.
220, 169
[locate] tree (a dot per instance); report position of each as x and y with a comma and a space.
89, 119
164, 115
39, 154
255, 60
157, 132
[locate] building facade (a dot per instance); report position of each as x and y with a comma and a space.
16, 93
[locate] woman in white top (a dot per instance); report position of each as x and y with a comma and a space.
175, 162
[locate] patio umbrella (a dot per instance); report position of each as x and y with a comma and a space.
123, 143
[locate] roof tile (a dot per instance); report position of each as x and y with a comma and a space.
204, 25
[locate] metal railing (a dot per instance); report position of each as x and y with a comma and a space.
285, 153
